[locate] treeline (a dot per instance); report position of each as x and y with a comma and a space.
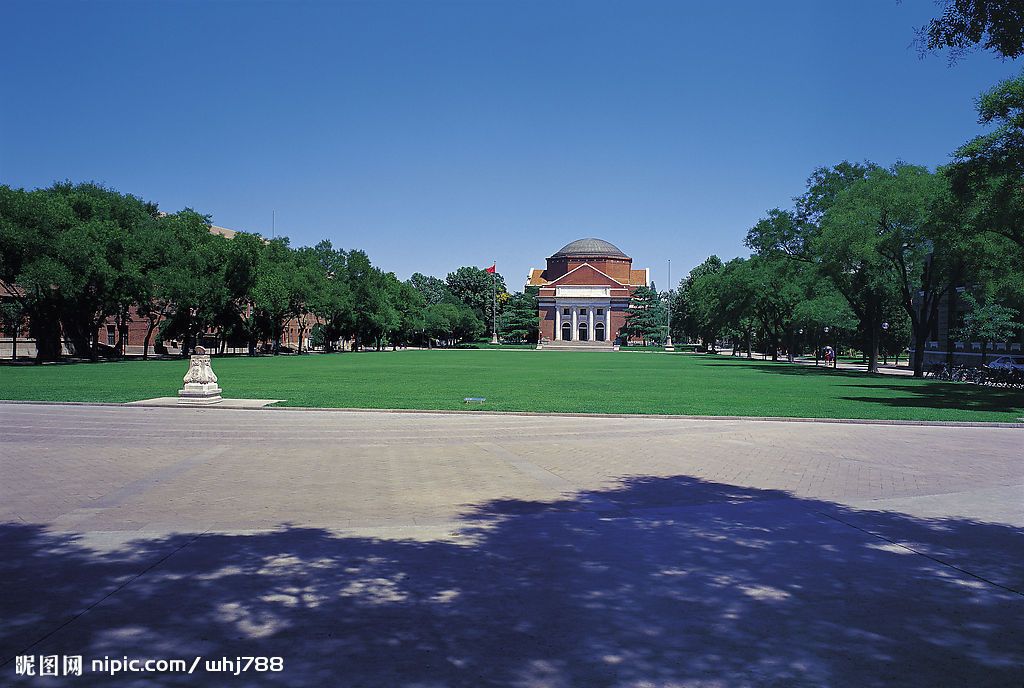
867, 255
73, 256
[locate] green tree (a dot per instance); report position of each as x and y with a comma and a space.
895, 213
778, 286
432, 289
373, 312
837, 242
823, 308
451, 323
437, 321
410, 306
68, 257
519, 318
995, 25
333, 305
272, 289
245, 253
691, 317
12, 321
987, 323
987, 172
169, 250
645, 317
475, 287
307, 288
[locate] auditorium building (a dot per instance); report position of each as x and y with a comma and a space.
584, 292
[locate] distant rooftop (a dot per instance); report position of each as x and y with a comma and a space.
589, 247
223, 231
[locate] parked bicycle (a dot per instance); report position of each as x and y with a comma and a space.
987, 375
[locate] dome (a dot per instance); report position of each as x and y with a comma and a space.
590, 248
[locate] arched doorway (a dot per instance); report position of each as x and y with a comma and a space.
599, 332
582, 332
566, 332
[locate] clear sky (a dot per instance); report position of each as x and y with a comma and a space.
434, 134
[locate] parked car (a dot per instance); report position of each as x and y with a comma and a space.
1008, 363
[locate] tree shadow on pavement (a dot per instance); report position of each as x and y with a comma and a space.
656, 582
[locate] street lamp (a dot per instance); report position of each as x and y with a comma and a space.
885, 350
834, 357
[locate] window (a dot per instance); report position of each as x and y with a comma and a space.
600, 311
583, 311
565, 311
111, 335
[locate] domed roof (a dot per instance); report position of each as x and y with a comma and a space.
589, 247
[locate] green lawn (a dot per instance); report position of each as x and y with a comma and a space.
535, 381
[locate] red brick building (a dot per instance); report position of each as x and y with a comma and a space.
585, 291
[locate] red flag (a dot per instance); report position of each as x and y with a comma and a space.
492, 268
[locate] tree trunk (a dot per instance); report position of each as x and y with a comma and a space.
874, 321
920, 336
950, 318
45, 329
94, 345
122, 333
145, 342
872, 353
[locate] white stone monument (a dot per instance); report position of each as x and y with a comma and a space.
200, 382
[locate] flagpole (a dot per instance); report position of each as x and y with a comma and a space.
668, 340
494, 304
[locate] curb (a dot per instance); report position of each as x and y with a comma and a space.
556, 414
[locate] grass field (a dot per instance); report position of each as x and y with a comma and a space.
534, 381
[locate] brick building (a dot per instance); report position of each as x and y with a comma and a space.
943, 345
584, 291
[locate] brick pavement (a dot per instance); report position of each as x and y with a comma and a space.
789, 518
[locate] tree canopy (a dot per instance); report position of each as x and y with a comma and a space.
993, 25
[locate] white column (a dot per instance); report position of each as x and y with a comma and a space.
590, 322
558, 321
575, 322
609, 336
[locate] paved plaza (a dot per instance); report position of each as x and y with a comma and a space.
426, 550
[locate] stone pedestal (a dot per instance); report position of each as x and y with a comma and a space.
201, 387
668, 344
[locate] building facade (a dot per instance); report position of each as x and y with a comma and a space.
943, 344
584, 292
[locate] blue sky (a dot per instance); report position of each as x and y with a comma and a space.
434, 134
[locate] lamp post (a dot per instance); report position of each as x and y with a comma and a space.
668, 339
494, 305
885, 349
826, 346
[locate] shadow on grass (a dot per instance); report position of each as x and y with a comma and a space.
947, 396
797, 369
660, 581
909, 392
